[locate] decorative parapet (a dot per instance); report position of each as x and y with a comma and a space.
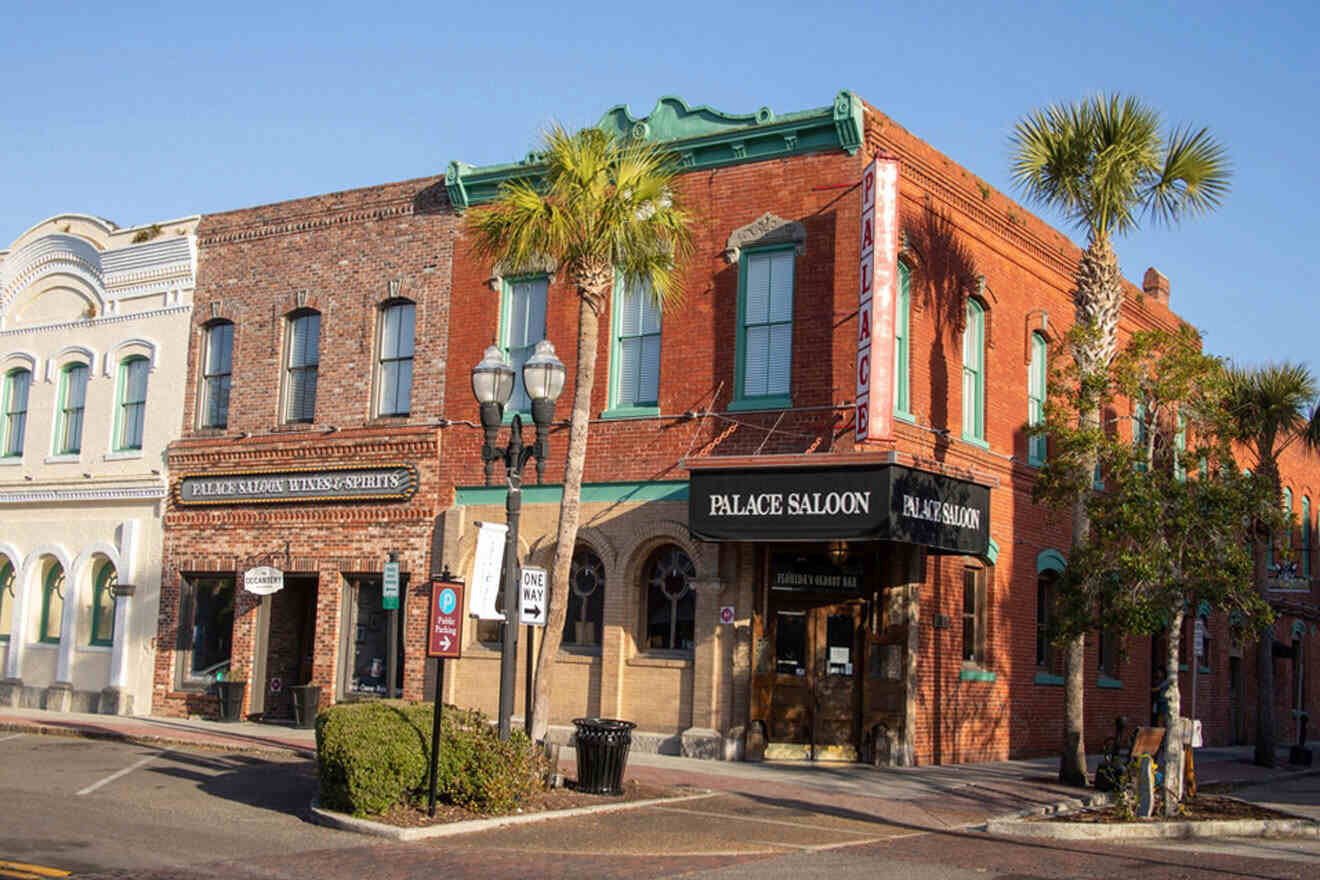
702, 138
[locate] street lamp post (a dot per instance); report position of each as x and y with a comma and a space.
492, 385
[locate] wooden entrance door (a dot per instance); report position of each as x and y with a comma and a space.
814, 700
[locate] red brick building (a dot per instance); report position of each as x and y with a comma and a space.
892, 614
310, 444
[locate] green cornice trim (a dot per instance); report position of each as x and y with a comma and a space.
592, 493
976, 675
702, 138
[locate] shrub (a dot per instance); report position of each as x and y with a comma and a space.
374, 755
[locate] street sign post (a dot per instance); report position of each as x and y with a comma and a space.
444, 640
532, 609
389, 593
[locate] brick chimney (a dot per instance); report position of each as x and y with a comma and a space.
1156, 285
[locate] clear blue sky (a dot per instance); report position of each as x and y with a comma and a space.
142, 112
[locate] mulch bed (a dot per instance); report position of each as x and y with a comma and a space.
411, 816
1202, 808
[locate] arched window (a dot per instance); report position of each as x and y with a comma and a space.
302, 359
395, 366
973, 380
52, 604
902, 339
217, 369
586, 599
73, 400
1046, 655
131, 412
1036, 399
670, 600
17, 384
103, 604
6, 599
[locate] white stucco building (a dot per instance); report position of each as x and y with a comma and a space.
93, 347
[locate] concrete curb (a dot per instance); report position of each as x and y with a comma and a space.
206, 741
344, 822
1155, 830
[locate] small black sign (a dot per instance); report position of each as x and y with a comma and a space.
797, 573
394, 482
873, 502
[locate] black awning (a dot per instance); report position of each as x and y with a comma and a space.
873, 502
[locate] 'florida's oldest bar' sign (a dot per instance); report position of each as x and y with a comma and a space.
877, 502
391, 482
877, 295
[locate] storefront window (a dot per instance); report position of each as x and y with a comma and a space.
103, 605
369, 626
52, 603
586, 600
209, 631
670, 601
6, 599
791, 643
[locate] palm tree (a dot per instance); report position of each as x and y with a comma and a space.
1104, 163
602, 207
1271, 407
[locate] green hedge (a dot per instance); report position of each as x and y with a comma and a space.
376, 754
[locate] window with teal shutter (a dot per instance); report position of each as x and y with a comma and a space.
131, 412
973, 379
523, 322
17, 385
1036, 443
765, 329
73, 401
902, 320
635, 362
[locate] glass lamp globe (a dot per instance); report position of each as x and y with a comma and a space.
492, 379
543, 374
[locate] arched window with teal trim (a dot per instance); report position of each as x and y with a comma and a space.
6, 599
52, 604
902, 340
73, 401
973, 374
130, 414
103, 604
1036, 381
17, 384
1306, 536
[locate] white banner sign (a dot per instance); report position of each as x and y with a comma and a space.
486, 571
532, 610
877, 295
263, 580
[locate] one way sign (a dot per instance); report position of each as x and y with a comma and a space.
532, 610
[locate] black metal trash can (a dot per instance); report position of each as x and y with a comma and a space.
231, 694
306, 700
602, 754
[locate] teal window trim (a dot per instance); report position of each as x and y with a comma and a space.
1036, 385
11, 436
615, 409
902, 347
1108, 683
506, 322
1204, 670
973, 374
1180, 448
969, 674
124, 408
100, 592
6, 595
64, 414
776, 400
1048, 678
1306, 536
977, 442
54, 581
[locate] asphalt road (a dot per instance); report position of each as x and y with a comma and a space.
107, 809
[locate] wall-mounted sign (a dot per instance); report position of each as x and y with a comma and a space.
445, 634
876, 502
263, 580
726, 614
813, 574
389, 587
877, 295
393, 482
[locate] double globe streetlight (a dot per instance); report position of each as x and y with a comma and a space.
492, 384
